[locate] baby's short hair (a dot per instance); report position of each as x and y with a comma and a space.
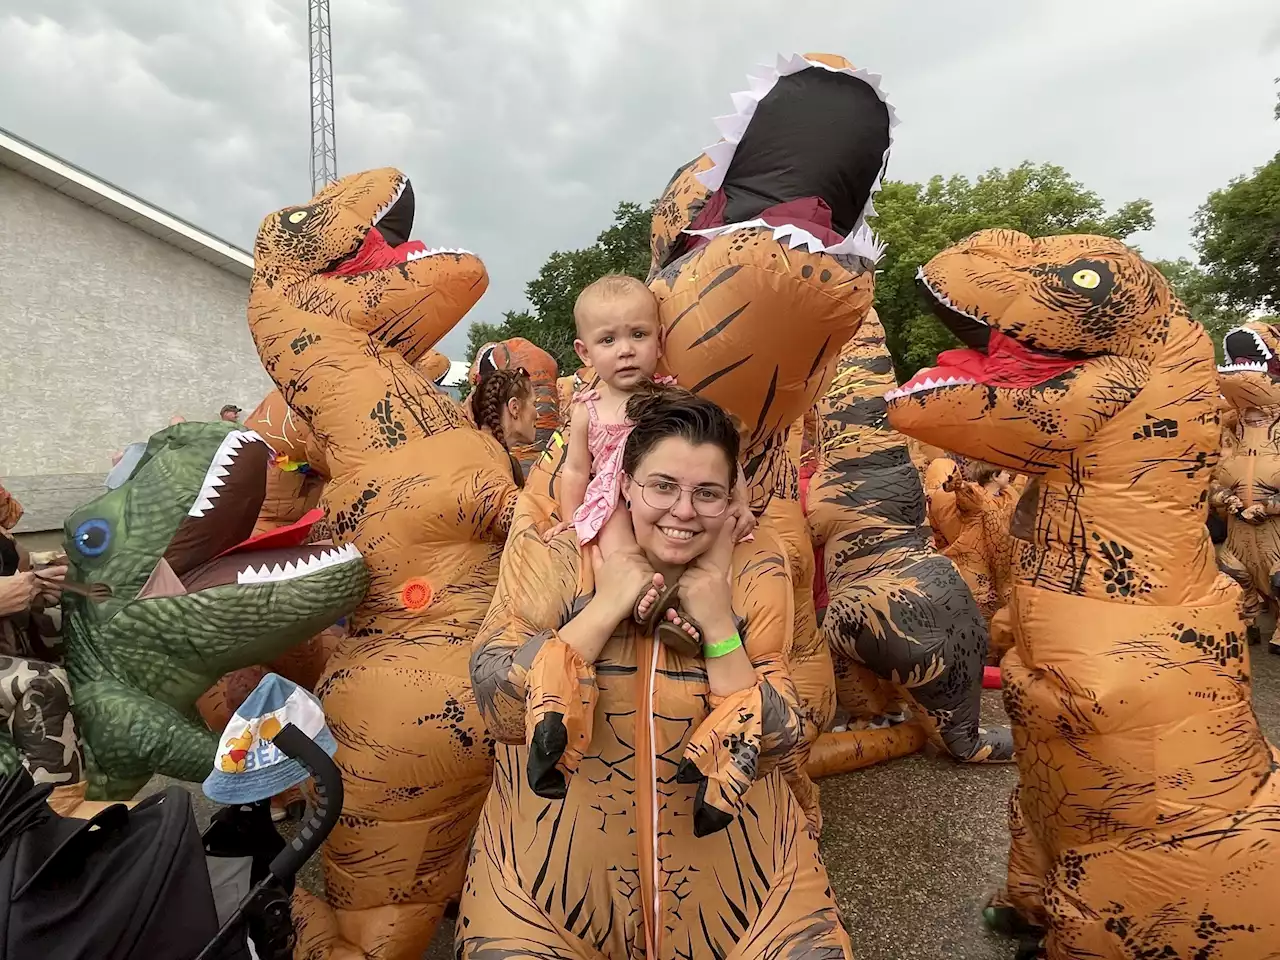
612, 286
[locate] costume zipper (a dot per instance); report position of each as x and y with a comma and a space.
649, 897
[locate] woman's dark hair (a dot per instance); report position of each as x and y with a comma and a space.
662, 412
492, 393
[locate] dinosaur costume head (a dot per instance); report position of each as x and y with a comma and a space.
1062, 334
347, 253
1251, 376
190, 599
542, 369
764, 269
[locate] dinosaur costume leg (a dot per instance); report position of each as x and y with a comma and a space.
428, 500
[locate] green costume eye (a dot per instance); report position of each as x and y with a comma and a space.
1088, 279
297, 216
92, 537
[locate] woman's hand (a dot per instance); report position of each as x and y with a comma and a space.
50, 583
706, 593
621, 579
18, 592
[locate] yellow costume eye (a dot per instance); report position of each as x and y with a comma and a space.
1088, 279
297, 216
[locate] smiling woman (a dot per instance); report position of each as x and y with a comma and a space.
645, 778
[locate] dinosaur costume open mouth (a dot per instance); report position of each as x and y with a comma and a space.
820, 198
388, 243
1246, 352
991, 358
214, 545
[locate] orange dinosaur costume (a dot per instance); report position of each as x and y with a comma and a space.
736, 243
340, 316
1146, 821
899, 620
10, 509
1247, 481
983, 549
542, 370
632, 813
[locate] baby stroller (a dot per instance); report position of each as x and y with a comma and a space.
142, 884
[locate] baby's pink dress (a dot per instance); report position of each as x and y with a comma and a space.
605, 441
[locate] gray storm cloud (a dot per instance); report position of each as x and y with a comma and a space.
522, 124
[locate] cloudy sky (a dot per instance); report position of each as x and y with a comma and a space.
522, 124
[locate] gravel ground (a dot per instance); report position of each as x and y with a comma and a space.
913, 847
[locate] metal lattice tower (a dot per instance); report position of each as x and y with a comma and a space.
324, 149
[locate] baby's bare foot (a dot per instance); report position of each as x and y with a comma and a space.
646, 603
683, 624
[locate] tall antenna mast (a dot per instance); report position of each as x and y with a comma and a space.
324, 149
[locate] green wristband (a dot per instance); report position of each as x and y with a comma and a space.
720, 648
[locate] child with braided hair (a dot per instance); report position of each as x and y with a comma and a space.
619, 336
502, 406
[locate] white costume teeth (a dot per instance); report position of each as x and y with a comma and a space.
943, 299
437, 251
861, 240
928, 383
331, 557
382, 210
1242, 366
218, 470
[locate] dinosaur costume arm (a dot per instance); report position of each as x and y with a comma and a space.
753, 731
531, 687
160, 740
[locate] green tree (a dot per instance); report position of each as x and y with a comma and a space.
917, 221
1194, 288
622, 248
1237, 233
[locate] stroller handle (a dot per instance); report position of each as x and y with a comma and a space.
328, 791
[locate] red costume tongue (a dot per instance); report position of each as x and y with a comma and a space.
294, 535
1006, 363
376, 254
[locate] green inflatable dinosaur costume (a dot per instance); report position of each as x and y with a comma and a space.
191, 597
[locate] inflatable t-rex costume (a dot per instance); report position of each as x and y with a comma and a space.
541, 367
1247, 481
983, 550
741, 238
190, 599
10, 509
895, 607
1145, 822
428, 499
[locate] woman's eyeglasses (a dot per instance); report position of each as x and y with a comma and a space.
707, 502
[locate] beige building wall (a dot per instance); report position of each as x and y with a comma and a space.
105, 333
